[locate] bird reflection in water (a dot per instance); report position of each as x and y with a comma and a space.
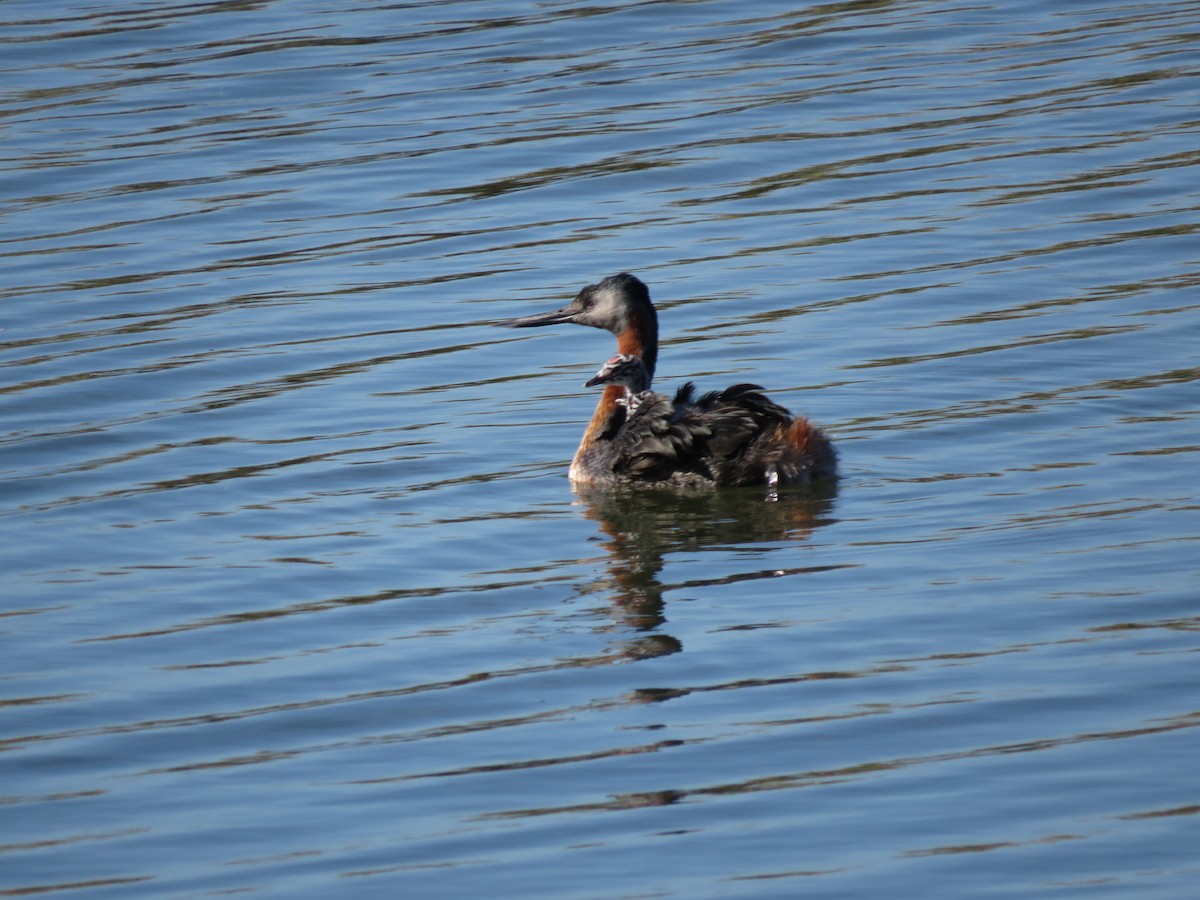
645, 528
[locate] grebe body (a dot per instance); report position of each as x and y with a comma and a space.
637, 436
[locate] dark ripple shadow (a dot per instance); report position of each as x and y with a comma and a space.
856, 772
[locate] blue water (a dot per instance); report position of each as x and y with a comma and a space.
297, 599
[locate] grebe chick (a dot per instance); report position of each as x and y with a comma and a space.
732, 437
629, 372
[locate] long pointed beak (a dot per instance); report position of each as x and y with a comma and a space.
554, 317
592, 382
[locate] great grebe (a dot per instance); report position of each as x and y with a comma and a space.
732, 437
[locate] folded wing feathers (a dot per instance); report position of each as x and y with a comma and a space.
685, 394
707, 435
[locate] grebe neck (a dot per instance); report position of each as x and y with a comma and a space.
606, 421
639, 338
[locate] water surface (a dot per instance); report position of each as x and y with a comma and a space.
298, 599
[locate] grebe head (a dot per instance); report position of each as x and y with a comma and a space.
623, 370
611, 304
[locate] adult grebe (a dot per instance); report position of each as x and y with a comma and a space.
734, 437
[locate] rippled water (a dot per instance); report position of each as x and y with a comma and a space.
298, 599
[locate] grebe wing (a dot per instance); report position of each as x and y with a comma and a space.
661, 440
648, 442
736, 420
748, 396
685, 394
707, 439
